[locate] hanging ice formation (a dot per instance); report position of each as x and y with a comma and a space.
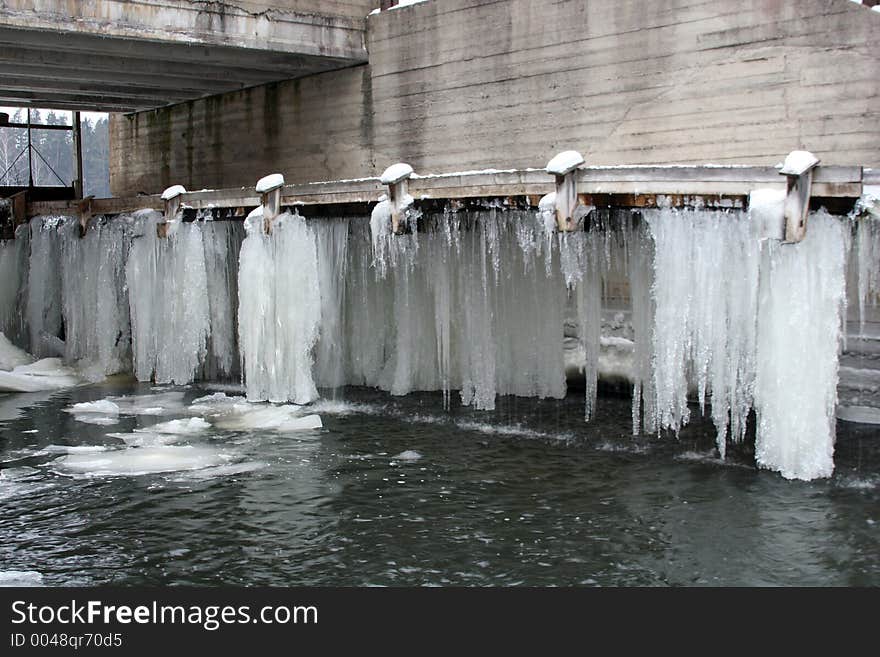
170, 313
279, 309
44, 287
867, 215
756, 325
94, 296
800, 329
14, 256
222, 242
469, 300
705, 292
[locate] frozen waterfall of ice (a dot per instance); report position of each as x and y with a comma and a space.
94, 296
279, 310
706, 277
170, 313
800, 329
746, 324
44, 309
222, 242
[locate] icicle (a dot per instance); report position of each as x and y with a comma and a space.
95, 298
332, 250
279, 309
641, 275
800, 327
589, 305
868, 263
222, 243
170, 317
9, 286
44, 287
706, 274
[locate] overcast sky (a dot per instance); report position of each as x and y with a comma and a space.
89, 116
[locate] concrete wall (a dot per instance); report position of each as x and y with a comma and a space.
463, 84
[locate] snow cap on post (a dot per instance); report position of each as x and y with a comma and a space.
798, 163
270, 182
395, 173
173, 192
798, 170
565, 163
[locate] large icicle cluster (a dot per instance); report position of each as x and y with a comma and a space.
474, 302
279, 309
94, 296
800, 329
13, 286
747, 325
705, 292
222, 242
44, 317
170, 314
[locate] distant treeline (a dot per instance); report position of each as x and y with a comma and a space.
53, 160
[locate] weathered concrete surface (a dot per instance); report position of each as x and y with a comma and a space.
125, 56
470, 84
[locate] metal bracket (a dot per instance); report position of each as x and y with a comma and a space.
564, 167
85, 214
798, 169
269, 188
397, 178
172, 200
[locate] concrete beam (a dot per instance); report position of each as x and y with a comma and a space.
107, 54
266, 26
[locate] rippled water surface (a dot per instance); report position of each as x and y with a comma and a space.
396, 491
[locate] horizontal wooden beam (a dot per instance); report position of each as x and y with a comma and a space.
642, 183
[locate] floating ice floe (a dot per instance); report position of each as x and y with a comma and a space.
407, 455
20, 578
45, 374
236, 414
136, 461
11, 356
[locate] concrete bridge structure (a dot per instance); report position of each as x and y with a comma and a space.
120, 56
216, 94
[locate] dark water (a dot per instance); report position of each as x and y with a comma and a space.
526, 495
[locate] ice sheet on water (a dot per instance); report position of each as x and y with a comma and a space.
136, 461
44, 374
283, 419
102, 407
159, 403
20, 578
184, 427
74, 449
409, 455
101, 412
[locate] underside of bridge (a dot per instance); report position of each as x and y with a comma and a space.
116, 56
